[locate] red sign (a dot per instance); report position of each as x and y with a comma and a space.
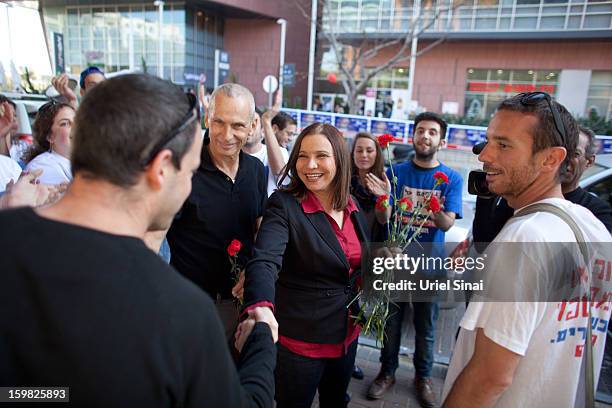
487, 87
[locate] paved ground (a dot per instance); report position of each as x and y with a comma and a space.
402, 394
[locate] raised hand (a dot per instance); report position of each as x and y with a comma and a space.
376, 185
60, 83
274, 109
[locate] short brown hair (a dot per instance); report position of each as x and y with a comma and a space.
378, 168
544, 131
341, 182
120, 122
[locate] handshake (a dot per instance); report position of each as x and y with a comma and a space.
257, 314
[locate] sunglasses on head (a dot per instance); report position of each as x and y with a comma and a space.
532, 99
192, 114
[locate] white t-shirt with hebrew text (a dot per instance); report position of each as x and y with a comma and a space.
550, 336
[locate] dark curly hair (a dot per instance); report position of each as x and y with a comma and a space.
41, 128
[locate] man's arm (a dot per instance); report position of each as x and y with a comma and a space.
488, 374
275, 155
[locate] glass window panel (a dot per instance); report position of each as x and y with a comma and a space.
526, 76
601, 77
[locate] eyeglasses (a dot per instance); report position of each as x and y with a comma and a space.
533, 98
192, 114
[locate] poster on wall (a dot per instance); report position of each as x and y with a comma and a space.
401, 106
465, 138
309, 118
351, 125
396, 129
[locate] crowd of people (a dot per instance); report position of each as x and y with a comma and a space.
126, 181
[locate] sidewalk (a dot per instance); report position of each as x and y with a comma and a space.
402, 394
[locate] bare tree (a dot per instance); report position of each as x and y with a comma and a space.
354, 76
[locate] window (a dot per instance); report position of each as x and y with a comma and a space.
486, 88
599, 101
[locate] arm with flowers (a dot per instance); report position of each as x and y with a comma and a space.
414, 208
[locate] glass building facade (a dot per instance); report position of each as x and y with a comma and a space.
121, 37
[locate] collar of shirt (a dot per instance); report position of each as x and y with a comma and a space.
311, 204
206, 161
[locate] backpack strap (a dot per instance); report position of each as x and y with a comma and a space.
588, 347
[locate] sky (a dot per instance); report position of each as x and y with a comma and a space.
24, 41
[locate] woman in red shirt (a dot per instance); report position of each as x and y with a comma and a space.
306, 266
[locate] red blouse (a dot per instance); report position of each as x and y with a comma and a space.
349, 241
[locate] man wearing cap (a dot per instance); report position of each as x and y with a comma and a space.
90, 77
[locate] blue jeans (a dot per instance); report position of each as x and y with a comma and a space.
425, 317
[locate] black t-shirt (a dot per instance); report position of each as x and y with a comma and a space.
492, 213
216, 212
103, 315
599, 208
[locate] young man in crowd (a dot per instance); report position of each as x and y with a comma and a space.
505, 348
284, 128
272, 155
90, 77
95, 310
414, 178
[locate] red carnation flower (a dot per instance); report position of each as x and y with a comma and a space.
404, 204
384, 140
434, 204
234, 247
382, 202
440, 177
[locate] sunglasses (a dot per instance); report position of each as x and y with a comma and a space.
192, 114
533, 98
48, 105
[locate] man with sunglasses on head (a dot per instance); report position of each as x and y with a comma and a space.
86, 305
515, 352
492, 212
226, 204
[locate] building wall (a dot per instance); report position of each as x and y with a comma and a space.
254, 45
441, 73
254, 48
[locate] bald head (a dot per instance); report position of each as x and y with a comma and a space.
233, 91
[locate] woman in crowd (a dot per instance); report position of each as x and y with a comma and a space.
369, 181
51, 149
306, 264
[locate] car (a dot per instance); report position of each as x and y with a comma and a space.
597, 179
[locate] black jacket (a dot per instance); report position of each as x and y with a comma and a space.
299, 265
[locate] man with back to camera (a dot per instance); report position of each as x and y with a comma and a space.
226, 203
415, 178
86, 305
505, 348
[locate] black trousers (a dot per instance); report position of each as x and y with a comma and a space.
298, 378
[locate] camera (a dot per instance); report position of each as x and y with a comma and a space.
477, 184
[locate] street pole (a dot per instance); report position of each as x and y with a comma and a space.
413, 51
311, 54
281, 80
160, 45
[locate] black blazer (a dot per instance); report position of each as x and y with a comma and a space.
299, 266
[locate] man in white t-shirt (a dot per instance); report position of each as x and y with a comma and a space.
528, 353
273, 156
